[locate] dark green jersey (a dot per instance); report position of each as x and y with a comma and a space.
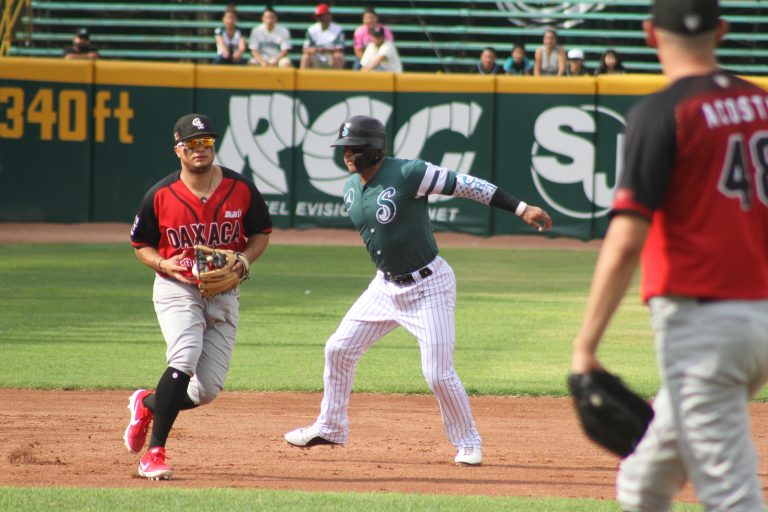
390, 212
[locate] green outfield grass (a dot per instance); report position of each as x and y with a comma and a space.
75, 308
81, 316
98, 500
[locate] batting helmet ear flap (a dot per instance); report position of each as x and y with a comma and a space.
368, 158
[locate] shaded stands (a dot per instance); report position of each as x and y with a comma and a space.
444, 36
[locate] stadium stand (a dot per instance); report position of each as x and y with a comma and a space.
442, 36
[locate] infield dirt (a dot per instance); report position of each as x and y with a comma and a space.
532, 446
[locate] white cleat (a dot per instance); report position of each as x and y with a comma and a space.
469, 456
306, 438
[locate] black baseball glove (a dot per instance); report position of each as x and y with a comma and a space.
611, 414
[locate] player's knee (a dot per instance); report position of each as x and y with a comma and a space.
207, 394
338, 351
437, 379
202, 394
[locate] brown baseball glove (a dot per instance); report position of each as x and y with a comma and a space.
214, 269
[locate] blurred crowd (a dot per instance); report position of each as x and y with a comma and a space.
324, 45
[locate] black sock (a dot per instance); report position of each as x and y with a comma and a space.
149, 403
169, 396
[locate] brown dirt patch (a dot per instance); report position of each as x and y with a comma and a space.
533, 446
21, 233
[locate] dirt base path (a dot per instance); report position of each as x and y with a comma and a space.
533, 446
21, 233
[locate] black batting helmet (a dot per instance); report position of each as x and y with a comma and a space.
362, 131
368, 133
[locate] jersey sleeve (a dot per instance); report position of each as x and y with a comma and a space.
426, 178
649, 155
257, 220
145, 231
285, 44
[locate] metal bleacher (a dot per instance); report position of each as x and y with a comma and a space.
444, 36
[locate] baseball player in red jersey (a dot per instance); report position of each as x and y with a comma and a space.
692, 202
201, 204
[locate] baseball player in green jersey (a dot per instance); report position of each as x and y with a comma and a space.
414, 287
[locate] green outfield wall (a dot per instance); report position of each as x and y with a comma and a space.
83, 141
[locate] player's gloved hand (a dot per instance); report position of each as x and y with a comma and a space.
611, 414
216, 270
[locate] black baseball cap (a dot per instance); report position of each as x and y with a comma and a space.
191, 126
377, 32
84, 33
688, 17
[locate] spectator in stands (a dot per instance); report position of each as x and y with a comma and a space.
576, 65
270, 42
230, 43
550, 58
324, 42
487, 64
518, 63
362, 36
81, 48
610, 64
380, 54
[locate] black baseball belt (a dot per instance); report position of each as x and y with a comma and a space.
404, 279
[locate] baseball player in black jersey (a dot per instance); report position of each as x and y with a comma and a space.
692, 201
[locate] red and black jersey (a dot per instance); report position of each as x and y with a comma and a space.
696, 166
173, 219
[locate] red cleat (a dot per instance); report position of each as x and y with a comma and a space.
153, 466
136, 432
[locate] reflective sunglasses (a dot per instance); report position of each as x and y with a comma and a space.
192, 143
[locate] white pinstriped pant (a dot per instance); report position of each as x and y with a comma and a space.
426, 309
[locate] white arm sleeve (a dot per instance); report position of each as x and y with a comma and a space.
476, 189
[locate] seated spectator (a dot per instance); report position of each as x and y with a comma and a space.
270, 42
576, 65
550, 58
380, 54
81, 48
324, 42
610, 64
487, 64
230, 43
362, 36
518, 63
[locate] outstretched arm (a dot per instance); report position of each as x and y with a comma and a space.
484, 192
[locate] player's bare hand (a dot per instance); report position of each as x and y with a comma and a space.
239, 269
584, 362
172, 268
536, 217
